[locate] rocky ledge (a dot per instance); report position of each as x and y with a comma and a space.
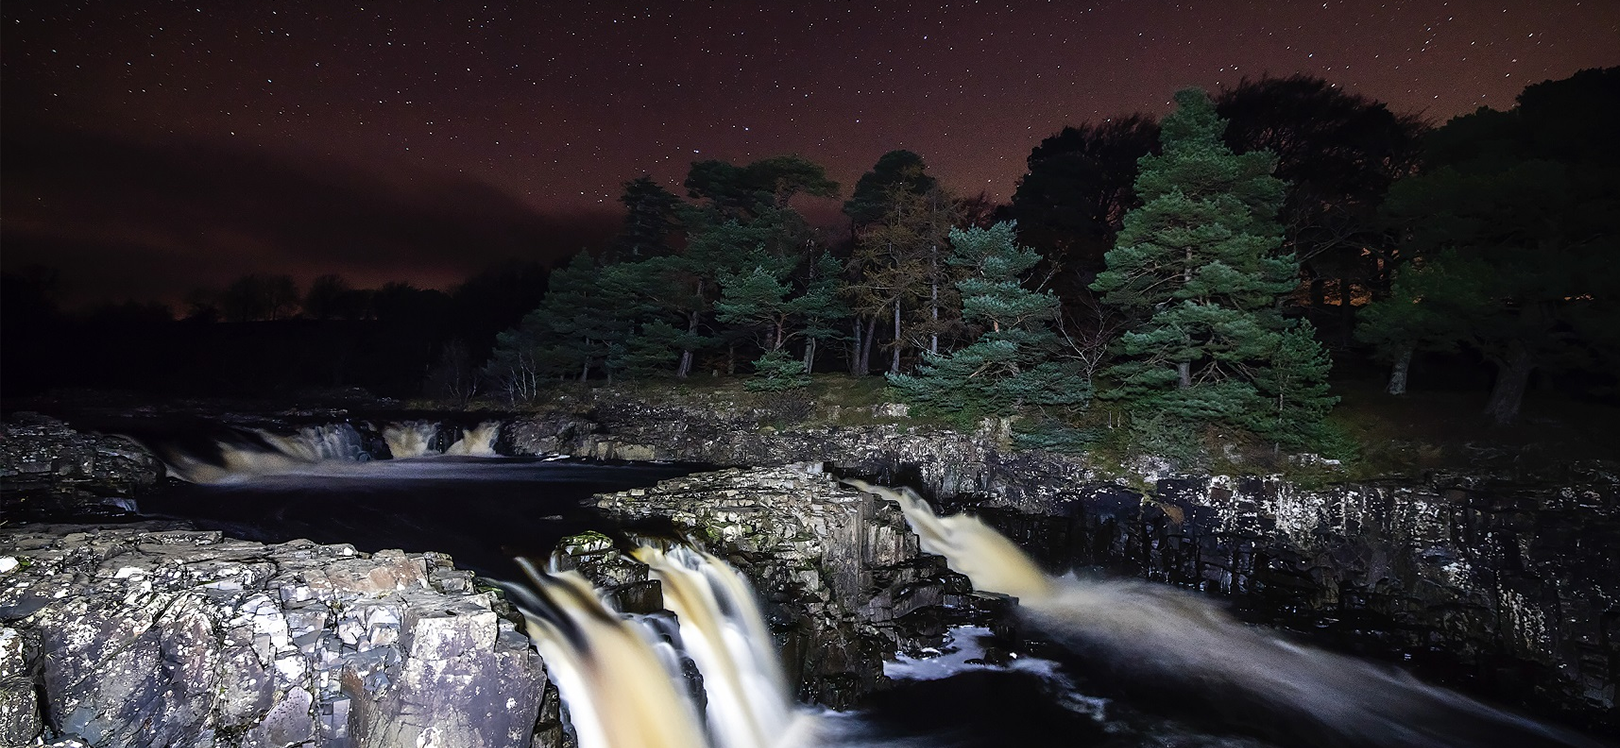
45, 462
152, 634
1507, 577
843, 582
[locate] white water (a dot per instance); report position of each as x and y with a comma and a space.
410, 439
724, 633
333, 441
622, 681
332, 450
478, 441
1167, 636
618, 691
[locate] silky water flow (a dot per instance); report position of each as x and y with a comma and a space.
621, 676
1171, 637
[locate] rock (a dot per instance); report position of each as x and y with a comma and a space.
44, 461
19, 708
1517, 584
155, 634
837, 570
617, 424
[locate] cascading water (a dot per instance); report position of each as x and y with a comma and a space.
618, 678
1173, 637
336, 449
410, 439
618, 691
272, 454
478, 441
724, 633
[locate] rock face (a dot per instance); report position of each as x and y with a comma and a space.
41, 455
843, 582
1518, 585
153, 635
941, 462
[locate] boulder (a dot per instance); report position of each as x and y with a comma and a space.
41, 455
155, 634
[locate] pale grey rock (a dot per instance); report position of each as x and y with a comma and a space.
42, 453
19, 707
152, 635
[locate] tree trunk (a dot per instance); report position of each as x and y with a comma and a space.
866, 351
1512, 379
1184, 374
894, 362
854, 352
809, 355
731, 360
933, 299
1397, 374
1347, 312
685, 368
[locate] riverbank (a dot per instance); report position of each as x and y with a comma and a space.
1496, 584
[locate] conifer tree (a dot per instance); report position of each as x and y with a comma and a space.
1012, 362
1197, 268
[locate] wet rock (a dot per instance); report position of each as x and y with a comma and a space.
1503, 577
153, 634
1518, 585
835, 568
614, 424
19, 708
45, 463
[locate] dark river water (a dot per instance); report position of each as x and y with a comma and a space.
482, 511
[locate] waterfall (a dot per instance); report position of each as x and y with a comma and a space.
411, 438
333, 441
268, 453
620, 675
478, 441
329, 449
618, 692
724, 633
1175, 638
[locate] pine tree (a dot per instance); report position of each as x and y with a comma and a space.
1296, 389
1197, 268
1012, 363
821, 307
648, 222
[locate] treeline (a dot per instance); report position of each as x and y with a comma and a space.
1168, 276
262, 334
1193, 272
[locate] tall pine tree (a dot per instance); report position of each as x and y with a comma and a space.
1198, 269
1012, 362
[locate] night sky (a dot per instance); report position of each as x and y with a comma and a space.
151, 148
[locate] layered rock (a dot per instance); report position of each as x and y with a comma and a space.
1516, 582
154, 635
42, 458
941, 462
1518, 586
839, 572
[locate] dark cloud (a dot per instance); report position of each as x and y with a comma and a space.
127, 217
